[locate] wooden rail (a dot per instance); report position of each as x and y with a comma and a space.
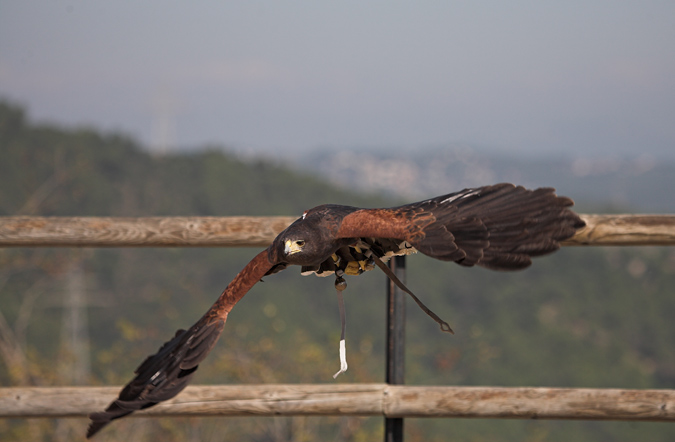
176, 231
357, 400
33, 231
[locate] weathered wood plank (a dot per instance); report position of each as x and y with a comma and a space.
357, 400
626, 230
175, 231
32, 231
531, 403
223, 400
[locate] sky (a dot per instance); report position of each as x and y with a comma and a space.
529, 77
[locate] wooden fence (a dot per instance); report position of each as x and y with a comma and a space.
392, 401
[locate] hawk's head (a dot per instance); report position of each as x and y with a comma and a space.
308, 241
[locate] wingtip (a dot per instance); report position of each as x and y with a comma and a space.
101, 419
95, 427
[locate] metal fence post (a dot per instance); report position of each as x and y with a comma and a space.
393, 427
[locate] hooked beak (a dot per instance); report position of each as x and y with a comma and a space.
291, 247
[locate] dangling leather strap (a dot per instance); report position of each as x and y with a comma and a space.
387, 271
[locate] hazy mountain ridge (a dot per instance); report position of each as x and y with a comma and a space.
638, 184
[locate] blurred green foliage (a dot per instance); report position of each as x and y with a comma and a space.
584, 317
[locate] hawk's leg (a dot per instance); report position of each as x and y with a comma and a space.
444, 325
340, 285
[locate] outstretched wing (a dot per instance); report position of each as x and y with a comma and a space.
499, 227
166, 373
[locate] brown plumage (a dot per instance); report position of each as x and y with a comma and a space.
499, 227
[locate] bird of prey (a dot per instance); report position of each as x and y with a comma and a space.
499, 227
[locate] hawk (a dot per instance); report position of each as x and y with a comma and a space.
500, 227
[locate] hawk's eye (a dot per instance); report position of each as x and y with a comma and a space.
300, 242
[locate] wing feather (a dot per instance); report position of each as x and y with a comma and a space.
166, 373
499, 227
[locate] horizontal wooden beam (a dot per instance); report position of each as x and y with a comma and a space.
240, 231
357, 400
170, 231
625, 230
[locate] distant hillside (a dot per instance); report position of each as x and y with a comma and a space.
50, 171
584, 317
640, 184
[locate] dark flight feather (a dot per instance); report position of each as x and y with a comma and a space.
166, 373
499, 227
